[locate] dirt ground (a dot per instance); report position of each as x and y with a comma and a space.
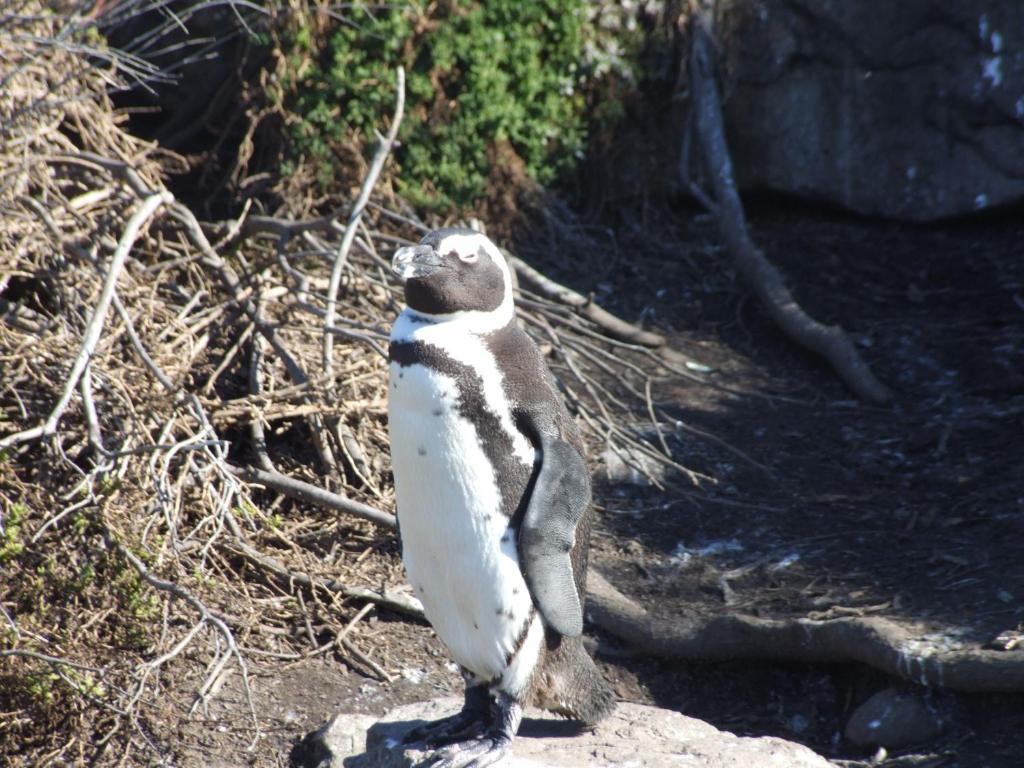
913, 511
823, 506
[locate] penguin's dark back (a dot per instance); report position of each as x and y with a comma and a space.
529, 382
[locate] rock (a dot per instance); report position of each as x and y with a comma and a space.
630, 466
911, 109
328, 746
893, 719
634, 735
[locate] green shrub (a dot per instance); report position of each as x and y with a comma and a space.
479, 74
11, 543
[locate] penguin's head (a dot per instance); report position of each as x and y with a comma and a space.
455, 273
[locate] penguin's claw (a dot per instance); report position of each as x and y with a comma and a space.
464, 725
474, 753
487, 747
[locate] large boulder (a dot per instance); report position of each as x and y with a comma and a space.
633, 735
911, 109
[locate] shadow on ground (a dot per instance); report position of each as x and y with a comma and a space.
826, 507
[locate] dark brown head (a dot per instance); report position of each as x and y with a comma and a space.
455, 273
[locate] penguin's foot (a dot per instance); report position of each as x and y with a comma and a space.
487, 748
474, 753
472, 722
467, 724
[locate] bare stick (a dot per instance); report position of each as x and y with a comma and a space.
95, 325
140, 349
392, 600
373, 666
259, 437
383, 149
125, 171
828, 341
297, 489
616, 326
355, 620
54, 660
91, 417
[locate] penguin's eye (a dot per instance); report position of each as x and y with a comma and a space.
468, 258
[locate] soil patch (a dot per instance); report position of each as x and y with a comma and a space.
912, 512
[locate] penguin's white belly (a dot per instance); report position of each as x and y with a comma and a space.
459, 552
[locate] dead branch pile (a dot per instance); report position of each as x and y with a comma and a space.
185, 407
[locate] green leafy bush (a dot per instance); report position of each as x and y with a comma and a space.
479, 75
11, 543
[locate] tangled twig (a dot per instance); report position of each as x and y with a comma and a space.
95, 326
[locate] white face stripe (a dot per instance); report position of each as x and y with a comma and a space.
476, 321
466, 243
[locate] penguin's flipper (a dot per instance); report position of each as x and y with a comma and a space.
561, 493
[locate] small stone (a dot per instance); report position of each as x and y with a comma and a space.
331, 743
893, 719
631, 467
414, 674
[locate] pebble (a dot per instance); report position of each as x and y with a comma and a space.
893, 719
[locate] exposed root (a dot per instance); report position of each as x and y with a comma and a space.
830, 342
932, 659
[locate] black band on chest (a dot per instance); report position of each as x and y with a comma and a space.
512, 477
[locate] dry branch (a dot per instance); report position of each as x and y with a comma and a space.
95, 326
590, 309
926, 659
376, 166
303, 491
391, 599
828, 341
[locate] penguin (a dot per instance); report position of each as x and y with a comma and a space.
493, 499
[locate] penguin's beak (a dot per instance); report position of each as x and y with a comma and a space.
415, 261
